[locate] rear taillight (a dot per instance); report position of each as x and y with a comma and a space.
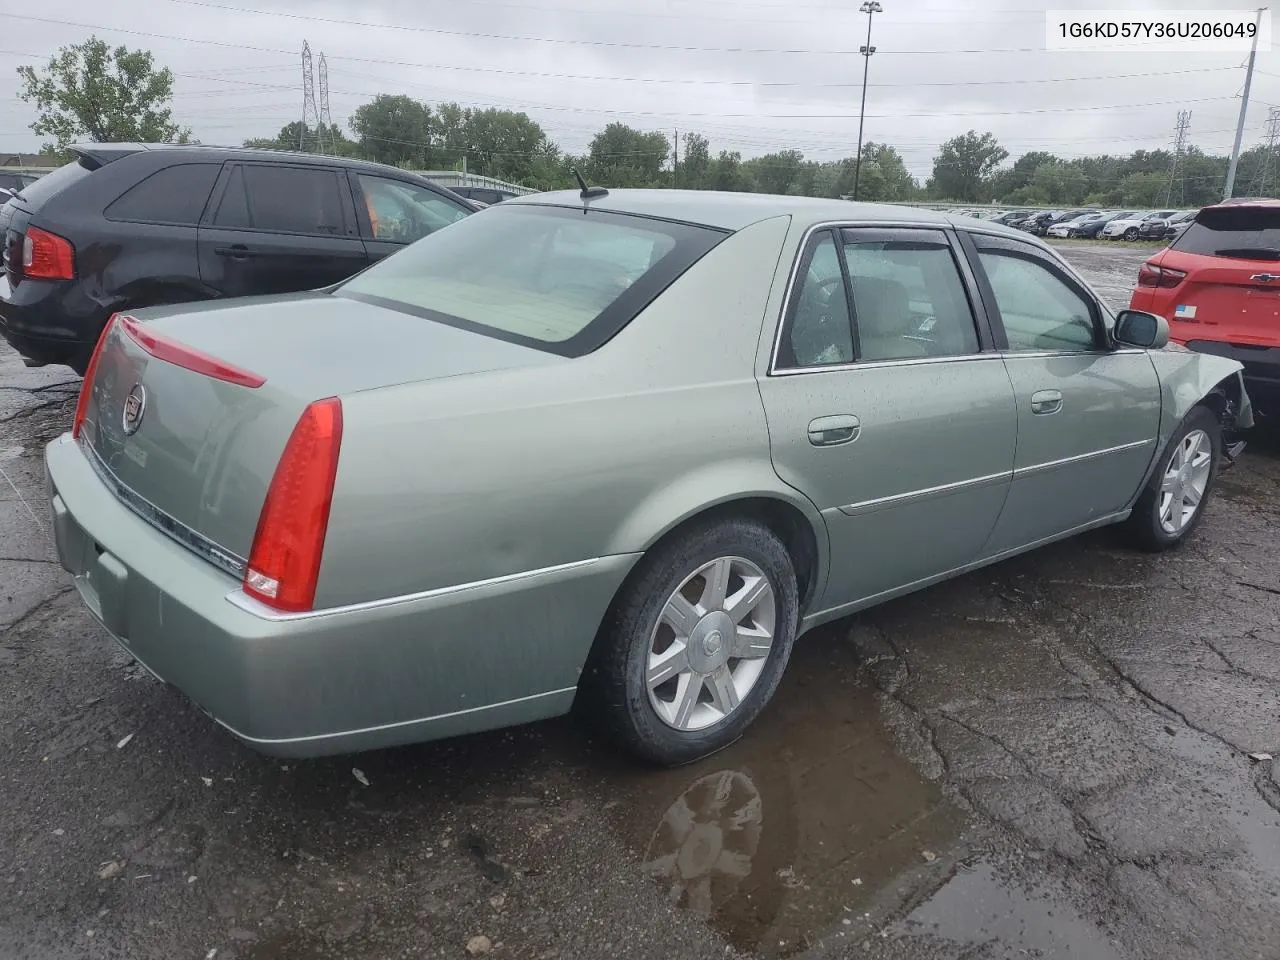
86, 385
284, 561
189, 358
1149, 275
47, 256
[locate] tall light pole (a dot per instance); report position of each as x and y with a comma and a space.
1244, 108
870, 7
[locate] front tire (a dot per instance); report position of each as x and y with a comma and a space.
1174, 499
1131, 233
695, 644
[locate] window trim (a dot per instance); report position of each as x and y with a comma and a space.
192, 224
976, 242
987, 344
345, 202
363, 224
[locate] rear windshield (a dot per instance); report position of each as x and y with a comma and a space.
53, 183
556, 278
1244, 233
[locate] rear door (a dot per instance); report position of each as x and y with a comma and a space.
1088, 414
279, 228
393, 213
887, 406
1231, 291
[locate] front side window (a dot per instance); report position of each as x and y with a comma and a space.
1040, 311
403, 212
555, 278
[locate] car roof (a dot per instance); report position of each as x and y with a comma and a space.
104, 153
725, 210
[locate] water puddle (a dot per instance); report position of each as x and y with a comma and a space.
802, 826
976, 907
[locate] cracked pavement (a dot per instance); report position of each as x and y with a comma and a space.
1046, 758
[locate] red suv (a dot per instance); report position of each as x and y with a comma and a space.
1218, 285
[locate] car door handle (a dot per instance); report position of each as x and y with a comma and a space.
1046, 401
237, 251
830, 431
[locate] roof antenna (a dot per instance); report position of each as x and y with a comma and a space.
588, 193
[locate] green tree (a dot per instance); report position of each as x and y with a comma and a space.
695, 162
394, 129
775, 172
90, 90
883, 177
1143, 189
964, 164
502, 143
726, 173
621, 156
292, 137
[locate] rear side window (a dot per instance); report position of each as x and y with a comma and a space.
174, 195
283, 199
1244, 233
559, 279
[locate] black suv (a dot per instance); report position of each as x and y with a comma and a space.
125, 226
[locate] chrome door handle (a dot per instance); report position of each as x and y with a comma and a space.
830, 431
1046, 401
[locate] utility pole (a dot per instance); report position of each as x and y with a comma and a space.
1179, 146
675, 162
1244, 108
870, 7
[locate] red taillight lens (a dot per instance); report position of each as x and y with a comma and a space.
284, 562
86, 385
47, 256
1149, 275
189, 358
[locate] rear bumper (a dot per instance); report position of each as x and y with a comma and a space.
35, 320
1261, 370
438, 664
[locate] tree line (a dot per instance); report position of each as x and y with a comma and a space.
90, 91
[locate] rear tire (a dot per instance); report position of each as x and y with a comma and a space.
1165, 514
664, 679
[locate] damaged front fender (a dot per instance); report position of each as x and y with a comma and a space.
1188, 379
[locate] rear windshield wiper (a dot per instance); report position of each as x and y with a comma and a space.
1249, 253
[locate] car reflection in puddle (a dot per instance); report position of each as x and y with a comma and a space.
810, 826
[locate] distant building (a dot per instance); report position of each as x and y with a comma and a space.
27, 160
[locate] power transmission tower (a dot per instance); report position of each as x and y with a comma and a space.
1179, 148
326, 121
310, 113
869, 7
1264, 181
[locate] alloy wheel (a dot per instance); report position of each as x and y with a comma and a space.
710, 644
1186, 477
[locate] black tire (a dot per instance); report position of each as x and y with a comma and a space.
1143, 526
613, 693
1131, 233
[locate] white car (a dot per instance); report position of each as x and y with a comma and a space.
1067, 228
1128, 227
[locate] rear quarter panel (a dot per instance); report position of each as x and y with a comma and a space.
482, 476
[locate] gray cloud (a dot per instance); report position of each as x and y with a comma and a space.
622, 60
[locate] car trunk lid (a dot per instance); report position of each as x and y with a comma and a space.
189, 410
1231, 257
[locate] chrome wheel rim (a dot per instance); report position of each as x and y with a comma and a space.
1186, 477
710, 644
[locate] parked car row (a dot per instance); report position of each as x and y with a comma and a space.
1089, 224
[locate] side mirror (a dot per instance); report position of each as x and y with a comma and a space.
1136, 328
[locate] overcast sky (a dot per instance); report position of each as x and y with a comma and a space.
780, 76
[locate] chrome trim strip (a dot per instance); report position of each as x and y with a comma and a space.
867, 506
196, 542
880, 364
1043, 354
1038, 467
260, 610
393, 726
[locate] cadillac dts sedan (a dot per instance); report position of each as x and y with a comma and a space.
606, 450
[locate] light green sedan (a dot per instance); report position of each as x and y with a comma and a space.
614, 450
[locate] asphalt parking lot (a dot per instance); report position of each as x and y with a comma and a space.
1047, 758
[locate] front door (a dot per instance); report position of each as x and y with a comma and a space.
1088, 413
277, 228
888, 409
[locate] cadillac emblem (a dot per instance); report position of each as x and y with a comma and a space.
135, 405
